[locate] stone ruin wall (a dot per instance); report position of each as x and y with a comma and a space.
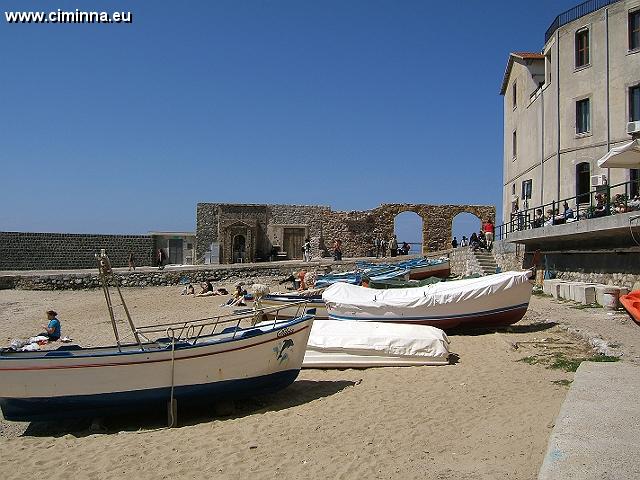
356, 229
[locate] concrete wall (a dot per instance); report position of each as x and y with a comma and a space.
42, 251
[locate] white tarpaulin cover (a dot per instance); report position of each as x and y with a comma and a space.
462, 298
623, 156
434, 294
343, 344
387, 338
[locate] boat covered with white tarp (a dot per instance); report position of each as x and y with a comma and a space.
493, 300
340, 344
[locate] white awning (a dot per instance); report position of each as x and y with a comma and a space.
624, 156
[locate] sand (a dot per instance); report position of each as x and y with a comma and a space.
488, 415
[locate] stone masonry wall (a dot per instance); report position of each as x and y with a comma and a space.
224, 275
358, 229
42, 251
206, 228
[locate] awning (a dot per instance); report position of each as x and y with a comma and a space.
624, 156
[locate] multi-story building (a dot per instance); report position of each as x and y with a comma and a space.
566, 106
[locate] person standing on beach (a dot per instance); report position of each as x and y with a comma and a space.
383, 247
393, 246
454, 242
132, 262
337, 250
377, 243
306, 249
161, 258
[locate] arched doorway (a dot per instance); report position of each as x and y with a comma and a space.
583, 179
408, 227
463, 225
239, 249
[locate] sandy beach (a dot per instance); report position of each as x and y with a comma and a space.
487, 415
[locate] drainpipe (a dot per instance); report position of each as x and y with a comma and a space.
542, 149
558, 108
606, 26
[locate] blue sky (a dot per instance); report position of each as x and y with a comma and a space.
124, 128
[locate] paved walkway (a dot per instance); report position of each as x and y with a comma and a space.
597, 432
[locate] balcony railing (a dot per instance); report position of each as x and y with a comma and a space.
603, 201
574, 13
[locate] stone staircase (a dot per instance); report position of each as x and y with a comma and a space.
486, 261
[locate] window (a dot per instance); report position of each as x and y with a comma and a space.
547, 67
582, 182
514, 146
582, 47
526, 189
583, 117
515, 94
634, 103
634, 30
513, 189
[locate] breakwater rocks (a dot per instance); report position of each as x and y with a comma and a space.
169, 276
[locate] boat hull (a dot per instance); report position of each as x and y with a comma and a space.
86, 382
483, 302
420, 273
314, 302
631, 303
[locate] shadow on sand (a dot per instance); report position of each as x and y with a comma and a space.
299, 393
525, 328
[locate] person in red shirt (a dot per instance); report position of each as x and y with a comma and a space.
488, 230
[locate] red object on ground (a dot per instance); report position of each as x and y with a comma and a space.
631, 302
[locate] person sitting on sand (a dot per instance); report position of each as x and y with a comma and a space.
53, 329
238, 297
188, 290
206, 289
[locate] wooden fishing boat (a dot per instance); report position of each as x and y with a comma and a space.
489, 301
631, 303
190, 362
288, 304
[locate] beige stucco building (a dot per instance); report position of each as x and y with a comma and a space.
567, 105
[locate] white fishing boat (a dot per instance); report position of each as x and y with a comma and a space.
352, 344
292, 301
489, 301
190, 362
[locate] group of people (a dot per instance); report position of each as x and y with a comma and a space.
382, 246
553, 217
483, 240
207, 290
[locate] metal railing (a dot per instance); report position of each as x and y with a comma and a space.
574, 13
600, 202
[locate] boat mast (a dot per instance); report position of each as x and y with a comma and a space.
106, 274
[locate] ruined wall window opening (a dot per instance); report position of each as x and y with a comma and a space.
408, 227
515, 94
464, 224
582, 47
514, 145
